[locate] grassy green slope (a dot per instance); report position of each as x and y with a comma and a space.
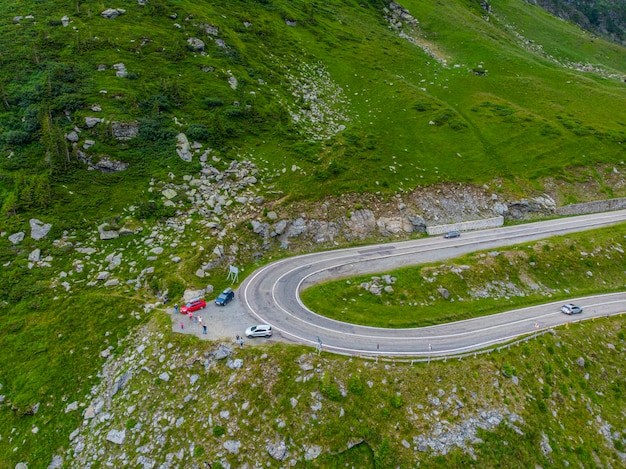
527, 115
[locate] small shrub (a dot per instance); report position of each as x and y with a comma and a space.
218, 431
330, 389
355, 385
508, 370
397, 402
154, 130
198, 132
443, 117
16, 137
213, 102
234, 112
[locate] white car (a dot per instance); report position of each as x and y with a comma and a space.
260, 330
571, 309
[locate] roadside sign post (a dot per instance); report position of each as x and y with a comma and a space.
319, 345
430, 347
233, 274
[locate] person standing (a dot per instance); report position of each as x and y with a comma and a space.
204, 329
176, 308
182, 326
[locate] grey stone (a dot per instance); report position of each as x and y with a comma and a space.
279, 227
235, 364
71, 407
107, 165
125, 130
107, 234
35, 256
56, 463
72, 136
92, 121
112, 13
232, 446
103, 275
65, 21
296, 228
169, 193
580, 361
39, 229
196, 43
121, 383
117, 436
157, 250
277, 451
164, 376
21, 465
183, 148
312, 452
222, 351
88, 144
16, 238
193, 379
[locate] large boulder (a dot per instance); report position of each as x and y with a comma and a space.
16, 238
112, 13
117, 436
107, 234
125, 130
39, 229
183, 148
195, 43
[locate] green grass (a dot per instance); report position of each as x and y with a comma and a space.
526, 119
524, 275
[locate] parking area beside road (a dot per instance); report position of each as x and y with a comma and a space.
223, 322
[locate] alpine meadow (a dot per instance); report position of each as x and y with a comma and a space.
156, 151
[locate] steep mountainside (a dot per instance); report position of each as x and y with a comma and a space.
604, 17
146, 146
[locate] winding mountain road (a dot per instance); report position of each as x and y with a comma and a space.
271, 294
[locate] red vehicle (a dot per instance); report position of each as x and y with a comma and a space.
193, 305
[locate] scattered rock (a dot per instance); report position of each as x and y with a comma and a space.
117, 436
112, 13
196, 43
16, 238
277, 451
125, 130
38, 229
183, 149
91, 122
232, 446
107, 234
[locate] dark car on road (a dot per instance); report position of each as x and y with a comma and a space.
452, 234
571, 309
225, 297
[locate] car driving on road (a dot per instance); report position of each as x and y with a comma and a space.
225, 297
452, 234
260, 330
571, 309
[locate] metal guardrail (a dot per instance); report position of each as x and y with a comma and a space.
476, 353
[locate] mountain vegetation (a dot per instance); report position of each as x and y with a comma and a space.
145, 144
606, 18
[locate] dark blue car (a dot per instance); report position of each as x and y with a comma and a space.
225, 297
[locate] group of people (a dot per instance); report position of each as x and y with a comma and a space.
194, 318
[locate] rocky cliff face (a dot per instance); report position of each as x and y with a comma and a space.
604, 17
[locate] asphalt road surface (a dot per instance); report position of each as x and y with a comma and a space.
271, 294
